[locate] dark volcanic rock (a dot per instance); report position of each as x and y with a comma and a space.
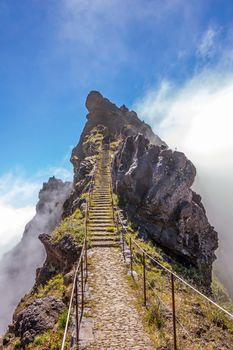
113, 123
61, 256
154, 183
37, 318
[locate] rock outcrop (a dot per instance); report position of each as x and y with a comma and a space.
18, 267
154, 184
61, 257
37, 318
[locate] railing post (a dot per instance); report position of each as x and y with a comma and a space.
173, 312
76, 311
86, 268
131, 256
144, 277
82, 286
123, 244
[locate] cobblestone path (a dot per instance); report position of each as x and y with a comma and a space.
117, 324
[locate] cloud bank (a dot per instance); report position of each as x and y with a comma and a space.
17, 207
18, 197
196, 118
18, 266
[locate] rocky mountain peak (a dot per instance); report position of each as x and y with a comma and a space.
95, 101
119, 121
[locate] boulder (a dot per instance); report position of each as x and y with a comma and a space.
37, 318
61, 256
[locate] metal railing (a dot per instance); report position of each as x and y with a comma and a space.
146, 259
77, 298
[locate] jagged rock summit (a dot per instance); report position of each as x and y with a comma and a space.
117, 122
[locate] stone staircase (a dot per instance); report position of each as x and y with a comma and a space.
101, 226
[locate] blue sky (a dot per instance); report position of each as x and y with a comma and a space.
150, 55
53, 52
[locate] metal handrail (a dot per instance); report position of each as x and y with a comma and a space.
183, 281
172, 275
82, 260
176, 276
71, 300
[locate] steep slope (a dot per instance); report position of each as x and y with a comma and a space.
18, 267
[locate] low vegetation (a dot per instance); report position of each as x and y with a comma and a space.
200, 325
52, 338
73, 225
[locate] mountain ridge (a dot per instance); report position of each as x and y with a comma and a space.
153, 188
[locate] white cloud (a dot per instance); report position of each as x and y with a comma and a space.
17, 191
17, 206
18, 198
197, 119
207, 46
12, 223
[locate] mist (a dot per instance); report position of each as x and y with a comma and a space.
197, 119
18, 266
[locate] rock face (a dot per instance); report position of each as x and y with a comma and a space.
18, 267
61, 256
37, 318
154, 184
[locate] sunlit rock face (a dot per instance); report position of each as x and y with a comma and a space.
155, 183
18, 267
110, 122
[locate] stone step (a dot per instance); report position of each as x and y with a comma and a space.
97, 221
100, 198
102, 212
108, 194
107, 191
100, 227
103, 218
107, 216
99, 208
100, 232
105, 244
105, 239
104, 192
105, 226
106, 234
101, 204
